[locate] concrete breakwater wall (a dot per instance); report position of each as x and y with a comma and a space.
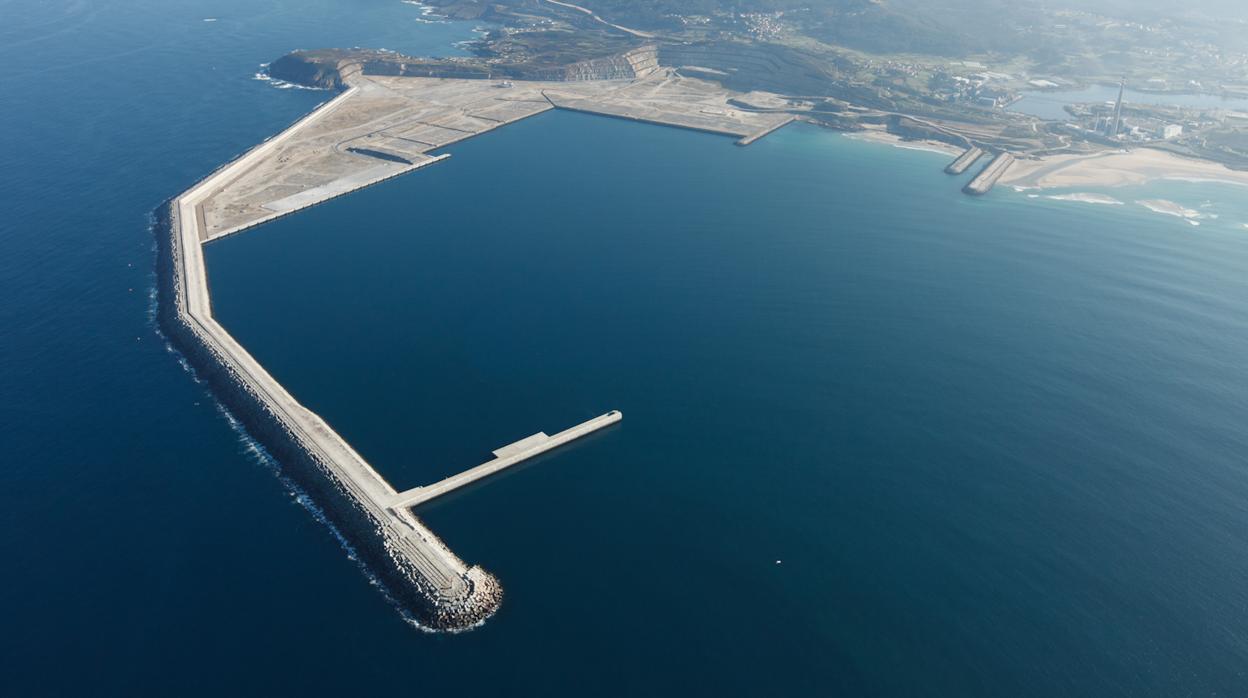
437, 600
987, 179
420, 573
964, 161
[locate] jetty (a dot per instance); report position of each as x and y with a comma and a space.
504, 457
964, 161
382, 127
986, 179
766, 131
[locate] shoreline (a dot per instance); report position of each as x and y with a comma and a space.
885, 138
1117, 168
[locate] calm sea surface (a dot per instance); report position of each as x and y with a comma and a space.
1050, 104
880, 438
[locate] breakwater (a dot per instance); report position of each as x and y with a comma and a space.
382, 127
418, 570
964, 161
985, 180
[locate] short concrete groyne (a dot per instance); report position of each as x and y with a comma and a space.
964, 161
985, 180
418, 570
766, 131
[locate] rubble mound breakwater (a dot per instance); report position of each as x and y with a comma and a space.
417, 570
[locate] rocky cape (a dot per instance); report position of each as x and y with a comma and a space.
333, 68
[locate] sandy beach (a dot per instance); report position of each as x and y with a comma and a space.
1115, 169
882, 136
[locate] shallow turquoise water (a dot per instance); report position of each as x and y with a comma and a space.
997, 443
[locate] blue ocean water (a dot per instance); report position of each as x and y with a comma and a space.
996, 445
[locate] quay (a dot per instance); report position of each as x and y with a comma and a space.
964, 161
378, 128
985, 180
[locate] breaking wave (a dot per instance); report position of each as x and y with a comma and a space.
256, 451
263, 76
1088, 199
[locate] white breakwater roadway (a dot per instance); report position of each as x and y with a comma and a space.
505, 457
417, 568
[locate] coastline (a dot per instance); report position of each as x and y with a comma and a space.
886, 138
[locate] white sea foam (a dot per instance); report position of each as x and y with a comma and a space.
426, 12
263, 76
1088, 199
210, 19
256, 451
153, 305
1170, 208
259, 454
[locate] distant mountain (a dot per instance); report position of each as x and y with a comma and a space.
944, 27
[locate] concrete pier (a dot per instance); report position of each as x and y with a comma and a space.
768, 130
964, 161
984, 181
504, 457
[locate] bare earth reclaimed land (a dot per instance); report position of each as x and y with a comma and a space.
379, 127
